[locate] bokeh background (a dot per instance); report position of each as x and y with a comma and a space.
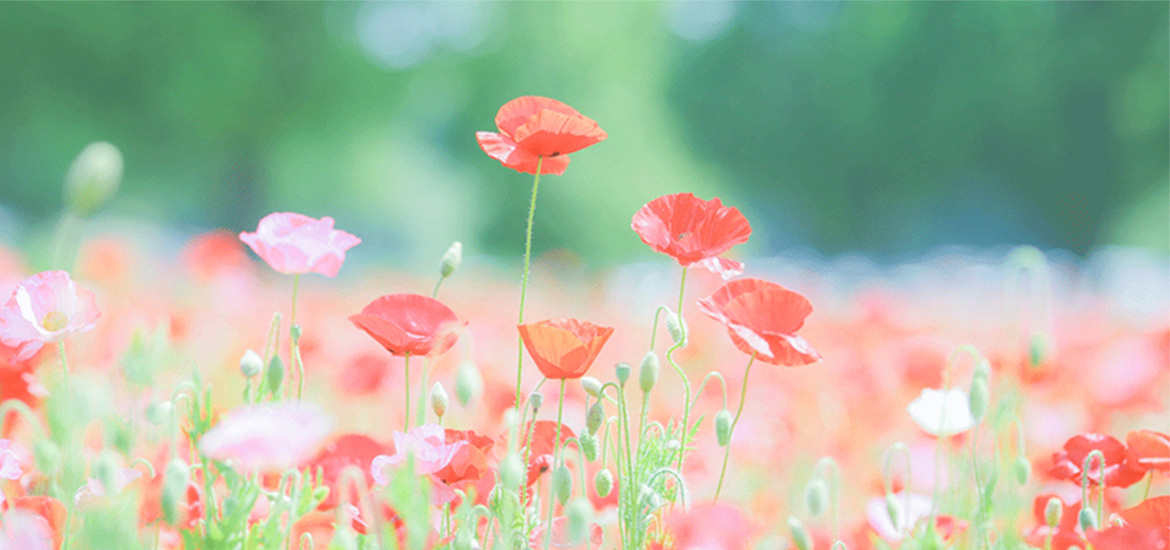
886, 129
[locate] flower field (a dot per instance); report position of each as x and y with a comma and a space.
250, 388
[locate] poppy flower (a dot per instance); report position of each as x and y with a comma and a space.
44, 309
343, 452
47, 512
692, 230
1067, 463
431, 454
210, 254
708, 527
409, 323
26, 531
540, 452
532, 127
1129, 537
563, 348
762, 319
267, 437
470, 462
928, 410
1148, 450
293, 243
1065, 535
1152, 512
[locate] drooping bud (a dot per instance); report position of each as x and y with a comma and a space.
1023, 469
978, 399
588, 446
468, 383
603, 482
511, 472
1053, 512
622, 371
677, 329
562, 483
648, 372
816, 495
594, 417
535, 400
439, 400
275, 375
578, 512
800, 536
251, 364
591, 385
723, 427
1087, 519
93, 178
451, 260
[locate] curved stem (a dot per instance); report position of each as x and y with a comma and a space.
734, 422
834, 475
524, 279
556, 465
1085, 468
722, 384
948, 371
17, 406
654, 327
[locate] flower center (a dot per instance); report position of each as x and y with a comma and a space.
682, 236
54, 321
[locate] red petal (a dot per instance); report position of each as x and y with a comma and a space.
503, 149
1149, 450
551, 134
516, 112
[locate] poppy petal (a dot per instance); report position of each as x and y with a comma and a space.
726, 269
503, 149
551, 134
516, 112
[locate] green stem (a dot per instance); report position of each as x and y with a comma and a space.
1149, 481
556, 464
682, 450
64, 363
406, 373
524, 279
423, 394
294, 342
734, 422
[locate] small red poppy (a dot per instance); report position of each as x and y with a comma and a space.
540, 454
1067, 463
563, 348
762, 319
409, 323
1148, 450
470, 462
692, 230
532, 127
348, 450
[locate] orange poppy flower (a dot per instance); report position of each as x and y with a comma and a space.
762, 319
409, 323
1148, 450
563, 348
532, 127
692, 230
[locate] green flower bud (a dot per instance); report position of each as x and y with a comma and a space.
464, 540
983, 369
816, 496
1053, 511
648, 371
622, 371
451, 260
251, 364
588, 446
294, 332
535, 400
159, 413
562, 483
47, 457
511, 472
1087, 519
178, 475
93, 178
603, 482
275, 375
1038, 349
1023, 469
105, 470
439, 400
723, 427
978, 399
594, 417
800, 536
591, 385
677, 329
892, 508
578, 513
468, 383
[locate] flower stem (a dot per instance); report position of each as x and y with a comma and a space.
64, 362
406, 373
734, 422
685, 428
524, 279
556, 464
294, 341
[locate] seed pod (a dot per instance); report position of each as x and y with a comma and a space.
816, 495
511, 472
1053, 512
93, 178
535, 400
603, 482
251, 364
578, 512
562, 483
451, 260
588, 446
1087, 519
978, 399
800, 536
591, 385
275, 375
439, 400
1023, 469
648, 372
622, 371
594, 418
723, 427
677, 329
468, 383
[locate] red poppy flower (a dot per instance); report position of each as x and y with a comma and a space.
1148, 450
532, 127
345, 451
1129, 537
692, 230
409, 323
1064, 535
563, 348
1152, 512
1067, 463
470, 462
540, 454
762, 319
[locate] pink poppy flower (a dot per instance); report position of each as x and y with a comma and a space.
9, 466
294, 243
409, 323
23, 530
268, 437
693, 231
44, 309
431, 452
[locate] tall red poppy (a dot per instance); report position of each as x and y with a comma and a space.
692, 230
563, 348
409, 323
762, 319
1067, 463
1148, 450
532, 127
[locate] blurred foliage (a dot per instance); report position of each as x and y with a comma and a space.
885, 128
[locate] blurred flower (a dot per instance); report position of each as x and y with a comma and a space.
470, 462
532, 127
707, 527
1067, 463
22, 530
44, 309
9, 465
1148, 450
564, 348
692, 230
294, 243
540, 452
268, 437
94, 488
409, 323
561, 537
1152, 512
1129, 537
47, 513
1065, 535
428, 446
762, 319
210, 254
348, 450
927, 411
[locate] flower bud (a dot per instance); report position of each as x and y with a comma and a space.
275, 375
800, 536
159, 413
511, 472
464, 540
816, 495
603, 482
594, 418
578, 513
451, 260
677, 329
468, 383
1038, 348
648, 371
1087, 519
535, 400
1053, 511
294, 332
978, 399
622, 371
723, 427
562, 483
47, 457
892, 508
983, 369
1023, 469
251, 364
591, 385
174, 489
588, 446
439, 400
93, 178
